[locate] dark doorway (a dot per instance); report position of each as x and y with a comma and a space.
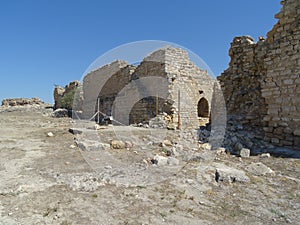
203, 109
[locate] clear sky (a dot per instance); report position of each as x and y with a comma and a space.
47, 42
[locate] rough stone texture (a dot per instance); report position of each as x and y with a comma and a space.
94, 82
21, 101
259, 169
230, 175
137, 94
60, 92
60, 113
245, 153
117, 144
262, 84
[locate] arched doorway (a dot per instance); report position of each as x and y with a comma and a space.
203, 109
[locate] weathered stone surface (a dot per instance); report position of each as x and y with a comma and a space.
265, 155
172, 161
60, 113
117, 144
50, 134
261, 86
166, 142
259, 169
75, 131
21, 101
245, 153
160, 160
88, 145
230, 175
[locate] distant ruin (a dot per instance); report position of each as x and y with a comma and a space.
262, 84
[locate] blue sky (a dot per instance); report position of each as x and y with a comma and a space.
47, 42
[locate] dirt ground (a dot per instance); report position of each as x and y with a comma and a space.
47, 179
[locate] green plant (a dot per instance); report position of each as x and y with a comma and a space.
68, 99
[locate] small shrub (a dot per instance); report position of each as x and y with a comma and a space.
67, 100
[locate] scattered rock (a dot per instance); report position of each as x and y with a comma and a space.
167, 143
87, 145
75, 131
117, 144
171, 127
172, 161
160, 160
50, 134
230, 175
206, 146
265, 155
128, 144
58, 113
97, 127
245, 153
259, 169
221, 151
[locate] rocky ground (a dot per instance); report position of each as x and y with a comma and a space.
127, 175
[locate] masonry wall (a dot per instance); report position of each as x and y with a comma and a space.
112, 88
193, 84
163, 73
281, 87
261, 87
93, 84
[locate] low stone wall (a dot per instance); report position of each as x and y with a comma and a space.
21, 101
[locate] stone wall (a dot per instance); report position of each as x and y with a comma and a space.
191, 82
69, 97
93, 84
262, 84
111, 89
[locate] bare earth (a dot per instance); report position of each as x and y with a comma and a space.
49, 180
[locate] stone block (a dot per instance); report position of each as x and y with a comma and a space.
244, 153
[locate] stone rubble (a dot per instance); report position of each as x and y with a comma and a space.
21, 101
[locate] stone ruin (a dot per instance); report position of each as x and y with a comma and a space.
261, 87
137, 94
21, 101
62, 92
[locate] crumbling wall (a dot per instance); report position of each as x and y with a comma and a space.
261, 87
68, 97
281, 86
241, 84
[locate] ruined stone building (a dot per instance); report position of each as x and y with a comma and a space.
262, 84
261, 87
166, 81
